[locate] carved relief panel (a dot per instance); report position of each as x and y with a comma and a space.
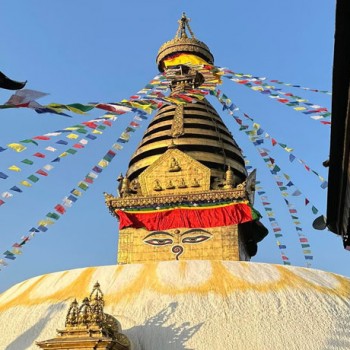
174, 172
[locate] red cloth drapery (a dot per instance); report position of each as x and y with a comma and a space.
157, 220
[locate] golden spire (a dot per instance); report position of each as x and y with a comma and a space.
183, 44
183, 23
87, 326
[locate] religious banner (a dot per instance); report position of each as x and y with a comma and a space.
164, 219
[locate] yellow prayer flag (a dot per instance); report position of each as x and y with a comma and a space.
45, 222
257, 88
16, 251
16, 147
64, 154
14, 168
288, 149
97, 132
103, 163
299, 108
72, 136
75, 110
26, 183
76, 192
72, 128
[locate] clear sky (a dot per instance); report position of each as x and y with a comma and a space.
84, 50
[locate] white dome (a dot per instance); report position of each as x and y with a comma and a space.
179, 305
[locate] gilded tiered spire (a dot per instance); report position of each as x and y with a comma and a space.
187, 158
87, 325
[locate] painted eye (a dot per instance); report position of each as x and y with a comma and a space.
197, 239
159, 241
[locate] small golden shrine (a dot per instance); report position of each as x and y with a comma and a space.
186, 194
87, 327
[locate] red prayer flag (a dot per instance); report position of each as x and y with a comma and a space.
45, 138
274, 142
78, 145
39, 155
90, 125
42, 172
60, 209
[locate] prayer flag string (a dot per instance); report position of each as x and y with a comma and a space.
250, 76
77, 192
298, 103
46, 169
259, 133
276, 228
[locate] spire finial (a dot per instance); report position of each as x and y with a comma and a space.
183, 24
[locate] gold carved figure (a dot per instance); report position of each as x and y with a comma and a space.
195, 183
157, 186
182, 184
170, 185
174, 165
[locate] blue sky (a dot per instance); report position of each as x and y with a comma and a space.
82, 51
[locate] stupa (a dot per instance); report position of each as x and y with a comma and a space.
187, 230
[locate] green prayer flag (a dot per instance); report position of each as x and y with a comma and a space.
81, 131
71, 151
53, 216
80, 107
27, 161
101, 127
29, 141
33, 178
83, 186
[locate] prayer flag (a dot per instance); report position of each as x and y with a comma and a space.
16, 189
76, 192
16, 147
27, 161
30, 141
51, 149
3, 175
39, 155
48, 167
42, 172
97, 169
14, 168
33, 178
53, 216
72, 136
84, 186
62, 142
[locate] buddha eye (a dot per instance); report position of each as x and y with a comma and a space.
159, 241
196, 239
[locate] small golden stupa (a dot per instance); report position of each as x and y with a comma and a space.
185, 194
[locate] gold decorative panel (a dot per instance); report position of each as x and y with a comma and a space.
215, 243
173, 173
